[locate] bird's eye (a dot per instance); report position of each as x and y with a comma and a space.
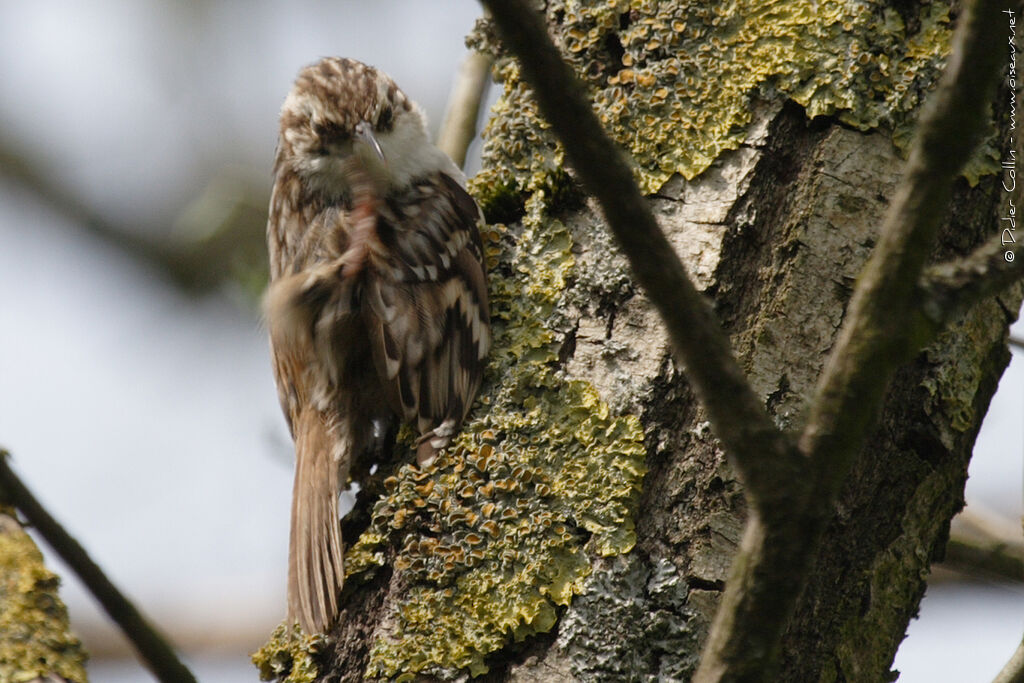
385, 118
330, 132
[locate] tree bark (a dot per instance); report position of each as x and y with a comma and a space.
775, 230
36, 642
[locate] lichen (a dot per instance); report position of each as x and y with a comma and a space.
503, 527
290, 656
676, 83
35, 640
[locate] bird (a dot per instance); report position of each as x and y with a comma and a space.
377, 306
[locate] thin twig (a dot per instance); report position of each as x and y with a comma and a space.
953, 287
151, 646
767, 461
460, 117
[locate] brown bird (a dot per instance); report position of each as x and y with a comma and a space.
377, 306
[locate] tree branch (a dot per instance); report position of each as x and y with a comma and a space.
151, 646
791, 508
230, 212
768, 463
952, 287
873, 342
982, 543
460, 117
36, 642
875, 338
1013, 672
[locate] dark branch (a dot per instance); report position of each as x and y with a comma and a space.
953, 287
151, 646
766, 460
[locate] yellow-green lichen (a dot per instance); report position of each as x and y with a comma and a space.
290, 656
35, 640
502, 528
676, 82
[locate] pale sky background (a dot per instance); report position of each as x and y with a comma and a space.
147, 420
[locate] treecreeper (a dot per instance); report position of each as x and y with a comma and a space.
377, 305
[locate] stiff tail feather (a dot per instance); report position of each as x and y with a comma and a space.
316, 569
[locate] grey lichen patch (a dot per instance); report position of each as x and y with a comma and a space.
502, 529
35, 640
675, 83
289, 656
632, 617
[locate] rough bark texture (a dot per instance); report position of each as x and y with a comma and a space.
36, 643
775, 230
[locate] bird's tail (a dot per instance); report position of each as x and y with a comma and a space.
316, 569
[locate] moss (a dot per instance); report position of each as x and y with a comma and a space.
677, 83
290, 656
502, 529
35, 640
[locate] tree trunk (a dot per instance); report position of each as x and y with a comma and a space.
539, 549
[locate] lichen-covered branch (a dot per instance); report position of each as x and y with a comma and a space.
36, 643
873, 342
460, 117
151, 646
766, 459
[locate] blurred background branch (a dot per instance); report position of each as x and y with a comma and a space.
984, 545
218, 238
461, 115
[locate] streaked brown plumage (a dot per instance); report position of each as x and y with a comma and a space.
377, 306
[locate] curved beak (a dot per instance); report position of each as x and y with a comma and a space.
364, 134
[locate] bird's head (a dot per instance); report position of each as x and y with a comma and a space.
342, 112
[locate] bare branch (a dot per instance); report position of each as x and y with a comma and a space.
151, 646
767, 462
463, 111
955, 286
